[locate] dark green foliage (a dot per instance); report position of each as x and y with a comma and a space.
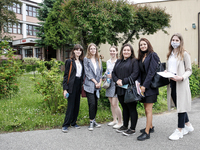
104, 101
104, 66
195, 81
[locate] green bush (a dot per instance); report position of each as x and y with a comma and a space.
104, 66
50, 87
195, 81
9, 71
103, 100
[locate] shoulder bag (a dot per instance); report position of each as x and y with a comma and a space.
131, 94
159, 81
106, 84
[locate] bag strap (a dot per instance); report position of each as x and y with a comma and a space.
130, 80
70, 69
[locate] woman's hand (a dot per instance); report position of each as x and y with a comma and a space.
142, 89
177, 78
109, 76
64, 93
119, 82
104, 79
98, 85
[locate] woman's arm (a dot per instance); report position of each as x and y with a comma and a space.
188, 67
67, 67
114, 76
151, 70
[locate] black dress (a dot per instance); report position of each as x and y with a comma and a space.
146, 99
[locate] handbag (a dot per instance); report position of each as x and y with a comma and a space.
159, 81
83, 93
131, 94
106, 84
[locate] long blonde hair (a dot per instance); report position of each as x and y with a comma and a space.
181, 50
89, 55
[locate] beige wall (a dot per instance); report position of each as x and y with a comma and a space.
184, 13
19, 16
32, 19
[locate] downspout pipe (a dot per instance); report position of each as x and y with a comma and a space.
198, 40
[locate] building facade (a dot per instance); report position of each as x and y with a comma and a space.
185, 15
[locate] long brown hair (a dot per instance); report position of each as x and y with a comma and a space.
89, 55
149, 48
76, 47
115, 47
180, 52
132, 51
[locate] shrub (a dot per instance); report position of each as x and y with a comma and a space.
50, 87
195, 80
104, 66
30, 63
103, 100
9, 71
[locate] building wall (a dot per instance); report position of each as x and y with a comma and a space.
184, 13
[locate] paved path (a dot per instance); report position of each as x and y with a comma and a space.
105, 138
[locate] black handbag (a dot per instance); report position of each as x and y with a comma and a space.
131, 94
159, 81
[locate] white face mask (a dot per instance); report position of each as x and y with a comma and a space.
174, 44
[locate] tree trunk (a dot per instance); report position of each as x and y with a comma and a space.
58, 54
62, 58
129, 37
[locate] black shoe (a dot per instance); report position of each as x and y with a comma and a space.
129, 132
143, 136
121, 129
151, 130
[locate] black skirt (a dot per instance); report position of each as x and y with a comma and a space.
149, 99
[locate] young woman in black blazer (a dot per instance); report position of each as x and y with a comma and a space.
126, 67
148, 62
73, 86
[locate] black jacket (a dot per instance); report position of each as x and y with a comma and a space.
69, 86
150, 65
123, 70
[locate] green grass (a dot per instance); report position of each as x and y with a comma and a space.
23, 111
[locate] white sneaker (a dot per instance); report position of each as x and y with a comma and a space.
117, 126
184, 131
176, 135
112, 123
189, 128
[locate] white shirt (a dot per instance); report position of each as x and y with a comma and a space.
110, 66
78, 69
95, 67
172, 61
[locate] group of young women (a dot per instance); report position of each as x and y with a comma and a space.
88, 72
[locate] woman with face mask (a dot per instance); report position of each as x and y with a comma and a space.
110, 92
179, 63
148, 62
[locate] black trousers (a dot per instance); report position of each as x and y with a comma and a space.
73, 104
92, 103
129, 111
182, 117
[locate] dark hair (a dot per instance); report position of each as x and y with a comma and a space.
149, 48
132, 51
76, 47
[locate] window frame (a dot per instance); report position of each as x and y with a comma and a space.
31, 29
30, 11
12, 27
15, 8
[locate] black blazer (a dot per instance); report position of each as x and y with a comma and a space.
70, 85
124, 69
150, 65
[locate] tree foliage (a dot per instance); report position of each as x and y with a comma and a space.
43, 12
7, 16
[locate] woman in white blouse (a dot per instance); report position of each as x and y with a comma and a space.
179, 63
110, 92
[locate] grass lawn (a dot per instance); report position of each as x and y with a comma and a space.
23, 111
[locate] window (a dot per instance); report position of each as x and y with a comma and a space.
31, 11
38, 53
28, 52
31, 30
16, 8
17, 49
17, 29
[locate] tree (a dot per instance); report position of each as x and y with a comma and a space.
148, 20
7, 16
46, 7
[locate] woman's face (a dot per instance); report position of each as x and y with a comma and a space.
113, 52
93, 50
126, 52
176, 39
77, 52
143, 46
